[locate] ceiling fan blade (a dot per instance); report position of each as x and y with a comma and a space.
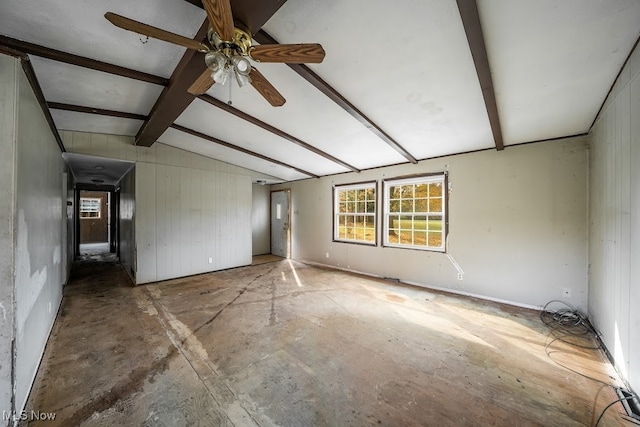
156, 33
288, 53
220, 17
266, 89
202, 83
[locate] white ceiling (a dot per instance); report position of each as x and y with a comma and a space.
407, 66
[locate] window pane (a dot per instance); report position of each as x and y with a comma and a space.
419, 222
394, 192
435, 239
370, 235
350, 233
360, 208
342, 207
435, 205
435, 223
406, 237
394, 222
421, 205
435, 190
407, 205
342, 195
407, 191
371, 194
351, 195
421, 190
371, 207
351, 207
420, 238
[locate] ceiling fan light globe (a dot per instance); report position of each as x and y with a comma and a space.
242, 79
220, 76
242, 65
215, 61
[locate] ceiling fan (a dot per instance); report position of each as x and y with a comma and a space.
227, 49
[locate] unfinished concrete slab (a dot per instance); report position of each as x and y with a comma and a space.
290, 344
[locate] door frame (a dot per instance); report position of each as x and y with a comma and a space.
287, 220
111, 189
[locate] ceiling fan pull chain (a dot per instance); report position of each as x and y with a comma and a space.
230, 85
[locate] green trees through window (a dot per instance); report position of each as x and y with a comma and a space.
355, 213
413, 215
415, 212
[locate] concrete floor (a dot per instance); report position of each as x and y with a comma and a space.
284, 343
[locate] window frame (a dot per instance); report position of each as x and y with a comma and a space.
415, 179
93, 200
335, 203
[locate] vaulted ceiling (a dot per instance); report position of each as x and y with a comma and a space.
401, 81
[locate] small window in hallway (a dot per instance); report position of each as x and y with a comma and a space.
89, 208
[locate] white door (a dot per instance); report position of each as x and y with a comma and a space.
280, 223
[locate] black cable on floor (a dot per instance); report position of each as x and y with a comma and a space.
610, 405
569, 322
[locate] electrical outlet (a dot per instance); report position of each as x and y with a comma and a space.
327, 255
459, 276
566, 292
210, 260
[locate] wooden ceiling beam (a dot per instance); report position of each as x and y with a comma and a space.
305, 72
80, 61
174, 98
37, 90
253, 14
255, 121
125, 115
471, 22
91, 110
237, 148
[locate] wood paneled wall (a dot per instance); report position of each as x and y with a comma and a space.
614, 237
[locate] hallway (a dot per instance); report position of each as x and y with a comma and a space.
285, 343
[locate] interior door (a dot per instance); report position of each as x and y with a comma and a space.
280, 223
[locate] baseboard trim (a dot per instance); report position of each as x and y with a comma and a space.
433, 287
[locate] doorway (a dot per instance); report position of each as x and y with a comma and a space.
281, 223
96, 220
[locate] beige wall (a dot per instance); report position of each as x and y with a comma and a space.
517, 225
614, 241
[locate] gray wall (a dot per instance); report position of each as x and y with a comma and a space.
37, 225
127, 223
189, 209
9, 69
614, 240
260, 231
518, 225
190, 221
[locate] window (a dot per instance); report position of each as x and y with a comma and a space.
354, 213
415, 212
89, 208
